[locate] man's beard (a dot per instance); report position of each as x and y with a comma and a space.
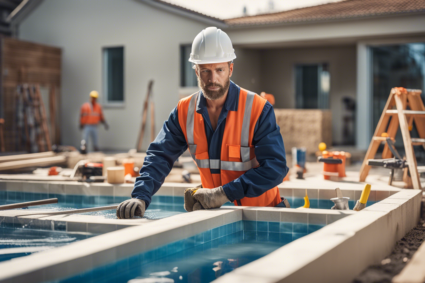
213, 94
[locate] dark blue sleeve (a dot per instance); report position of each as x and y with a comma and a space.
160, 157
270, 153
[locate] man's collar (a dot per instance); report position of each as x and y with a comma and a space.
231, 103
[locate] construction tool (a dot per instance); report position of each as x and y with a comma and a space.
28, 203
333, 164
341, 202
361, 203
391, 163
401, 117
74, 211
306, 201
144, 117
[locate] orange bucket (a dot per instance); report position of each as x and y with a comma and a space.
128, 167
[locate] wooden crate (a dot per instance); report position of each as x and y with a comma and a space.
304, 128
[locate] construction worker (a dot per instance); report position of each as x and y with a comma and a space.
91, 115
231, 134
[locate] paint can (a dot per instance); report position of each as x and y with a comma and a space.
298, 156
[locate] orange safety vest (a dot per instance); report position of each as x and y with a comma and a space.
91, 114
237, 151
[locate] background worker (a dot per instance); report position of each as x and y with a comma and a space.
91, 115
231, 134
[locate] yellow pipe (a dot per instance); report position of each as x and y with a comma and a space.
365, 194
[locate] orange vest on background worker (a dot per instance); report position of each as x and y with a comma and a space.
91, 114
237, 151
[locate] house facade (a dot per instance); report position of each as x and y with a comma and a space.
343, 56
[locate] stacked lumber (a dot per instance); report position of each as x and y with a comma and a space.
304, 128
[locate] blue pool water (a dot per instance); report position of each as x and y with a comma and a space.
201, 258
21, 242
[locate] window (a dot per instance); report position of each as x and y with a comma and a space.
187, 74
312, 86
113, 62
396, 66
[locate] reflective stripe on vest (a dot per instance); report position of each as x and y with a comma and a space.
246, 164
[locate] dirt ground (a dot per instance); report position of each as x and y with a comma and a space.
397, 260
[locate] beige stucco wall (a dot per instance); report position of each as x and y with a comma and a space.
151, 38
277, 76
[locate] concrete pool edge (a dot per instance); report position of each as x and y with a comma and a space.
324, 190
106, 248
364, 238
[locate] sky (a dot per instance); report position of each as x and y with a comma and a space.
224, 9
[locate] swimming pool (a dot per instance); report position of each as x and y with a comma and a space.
18, 242
203, 257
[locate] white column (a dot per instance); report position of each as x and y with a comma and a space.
364, 121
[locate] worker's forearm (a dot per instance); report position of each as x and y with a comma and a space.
161, 155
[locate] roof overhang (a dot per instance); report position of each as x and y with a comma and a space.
178, 10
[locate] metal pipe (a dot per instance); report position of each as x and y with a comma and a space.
29, 203
74, 211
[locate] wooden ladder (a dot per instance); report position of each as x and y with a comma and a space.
396, 108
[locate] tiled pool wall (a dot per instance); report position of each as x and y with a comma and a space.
170, 196
231, 233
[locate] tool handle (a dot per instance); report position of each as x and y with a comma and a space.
365, 194
330, 160
29, 203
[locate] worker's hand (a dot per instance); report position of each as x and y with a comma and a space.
81, 126
211, 198
189, 200
106, 126
130, 208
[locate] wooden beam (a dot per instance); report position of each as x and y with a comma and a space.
400, 100
39, 162
18, 157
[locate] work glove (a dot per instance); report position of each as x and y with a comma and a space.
130, 208
210, 198
189, 200
106, 126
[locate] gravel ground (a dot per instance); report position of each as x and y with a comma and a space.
397, 260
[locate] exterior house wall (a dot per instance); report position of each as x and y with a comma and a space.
247, 69
151, 38
278, 77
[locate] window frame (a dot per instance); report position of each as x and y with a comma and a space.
182, 60
105, 101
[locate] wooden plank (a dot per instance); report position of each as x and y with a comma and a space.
392, 132
43, 118
144, 117
18, 157
406, 112
370, 154
152, 121
400, 100
2, 148
417, 104
13, 43
38, 162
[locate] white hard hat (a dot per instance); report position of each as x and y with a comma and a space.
212, 45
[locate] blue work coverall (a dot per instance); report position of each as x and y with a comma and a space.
171, 143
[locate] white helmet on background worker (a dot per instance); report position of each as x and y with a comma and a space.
212, 45
94, 94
